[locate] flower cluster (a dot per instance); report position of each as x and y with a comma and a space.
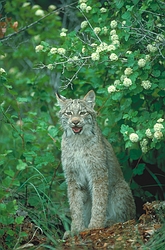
113, 57
95, 56
97, 30
127, 82
113, 24
146, 84
84, 6
141, 63
134, 137
84, 24
111, 89
63, 32
39, 13
143, 145
128, 71
39, 48
148, 133
60, 51
2, 71
151, 48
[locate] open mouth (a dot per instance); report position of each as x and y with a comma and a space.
76, 130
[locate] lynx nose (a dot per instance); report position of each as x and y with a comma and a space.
75, 120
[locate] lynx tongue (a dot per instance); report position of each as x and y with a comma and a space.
76, 129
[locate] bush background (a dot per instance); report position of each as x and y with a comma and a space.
43, 49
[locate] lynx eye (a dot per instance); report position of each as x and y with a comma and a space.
68, 113
82, 113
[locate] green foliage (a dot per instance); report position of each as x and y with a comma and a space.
118, 50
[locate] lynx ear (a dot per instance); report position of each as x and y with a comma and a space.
60, 99
90, 98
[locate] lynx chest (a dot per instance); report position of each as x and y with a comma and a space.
78, 163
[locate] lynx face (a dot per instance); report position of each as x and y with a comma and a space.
77, 116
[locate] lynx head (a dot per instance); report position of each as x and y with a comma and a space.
77, 115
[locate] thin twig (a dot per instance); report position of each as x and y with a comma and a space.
34, 23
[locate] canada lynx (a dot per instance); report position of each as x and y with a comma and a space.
98, 194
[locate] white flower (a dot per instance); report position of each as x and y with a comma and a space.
151, 48
36, 6
106, 122
158, 135
64, 30
123, 77
97, 30
75, 58
113, 32
103, 10
83, 49
147, 57
61, 51
113, 57
116, 82
83, 6
133, 137
148, 133
88, 8
52, 7
123, 23
2, 71
39, 13
93, 44
114, 37
53, 50
160, 120
111, 89
95, 56
129, 52
160, 38
113, 24
62, 34
146, 84
141, 63
83, 1
50, 66
105, 30
84, 24
128, 71
38, 48
25, 4
144, 149
158, 127
144, 143
111, 47
127, 82
102, 47
116, 42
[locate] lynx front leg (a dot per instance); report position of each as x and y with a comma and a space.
76, 201
99, 203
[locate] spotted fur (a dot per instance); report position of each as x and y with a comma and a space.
98, 194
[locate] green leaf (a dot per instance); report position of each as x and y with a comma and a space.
139, 169
21, 165
135, 154
23, 99
19, 219
10, 232
9, 172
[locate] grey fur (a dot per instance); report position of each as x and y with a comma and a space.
98, 194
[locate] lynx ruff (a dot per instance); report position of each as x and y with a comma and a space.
98, 194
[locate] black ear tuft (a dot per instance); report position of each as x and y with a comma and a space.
60, 99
